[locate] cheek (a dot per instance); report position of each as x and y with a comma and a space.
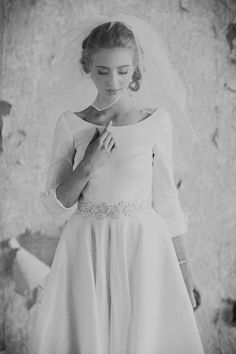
98, 79
126, 80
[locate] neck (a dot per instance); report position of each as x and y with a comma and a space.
118, 104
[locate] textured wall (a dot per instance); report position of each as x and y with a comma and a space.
195, 33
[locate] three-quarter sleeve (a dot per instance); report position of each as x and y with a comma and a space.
165, 199
60, 167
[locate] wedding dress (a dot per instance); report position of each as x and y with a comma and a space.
115, 285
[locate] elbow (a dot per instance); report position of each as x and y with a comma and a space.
54, 207
64, 204
61, 196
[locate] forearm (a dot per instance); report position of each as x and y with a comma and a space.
180, 247
69, 190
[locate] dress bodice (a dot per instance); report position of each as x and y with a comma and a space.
128, 172
140, 166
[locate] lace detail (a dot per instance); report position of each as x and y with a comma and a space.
121, 209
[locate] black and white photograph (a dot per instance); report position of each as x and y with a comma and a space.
117, 169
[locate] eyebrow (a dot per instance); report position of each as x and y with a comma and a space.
105, 67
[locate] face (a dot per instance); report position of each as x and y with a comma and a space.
111, 71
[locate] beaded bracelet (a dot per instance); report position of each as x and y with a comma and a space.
186, 260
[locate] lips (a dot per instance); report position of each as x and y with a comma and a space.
112, 91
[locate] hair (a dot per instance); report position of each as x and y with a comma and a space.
111, 35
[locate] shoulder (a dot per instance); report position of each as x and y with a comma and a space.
163, 129
62, 117
63, 123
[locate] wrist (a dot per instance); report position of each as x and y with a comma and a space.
86, 168
187, 260
186, 263
186, 266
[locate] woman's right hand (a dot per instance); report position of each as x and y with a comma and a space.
100, 148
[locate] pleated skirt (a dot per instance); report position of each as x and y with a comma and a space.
115, 287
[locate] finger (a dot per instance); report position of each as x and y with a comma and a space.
95, 135
192, 298
108, 125
107, 139
105, 131
197, 296
111, 145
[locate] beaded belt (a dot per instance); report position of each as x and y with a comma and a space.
134, 208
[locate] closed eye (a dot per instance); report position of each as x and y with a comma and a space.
120, 73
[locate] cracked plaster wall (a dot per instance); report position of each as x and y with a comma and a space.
201, 44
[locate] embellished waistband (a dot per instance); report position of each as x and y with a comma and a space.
121, 209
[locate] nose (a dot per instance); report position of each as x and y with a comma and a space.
113, 80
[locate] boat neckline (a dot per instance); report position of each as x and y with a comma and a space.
141, 122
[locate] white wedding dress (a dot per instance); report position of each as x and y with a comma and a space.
115, 286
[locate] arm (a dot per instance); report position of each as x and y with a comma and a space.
69, 190
166, 203
180, 247
63, 186
164, 191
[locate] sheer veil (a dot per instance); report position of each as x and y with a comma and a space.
161, 86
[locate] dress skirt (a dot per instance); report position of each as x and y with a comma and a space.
115, 287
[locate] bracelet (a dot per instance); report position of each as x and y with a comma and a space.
186, 260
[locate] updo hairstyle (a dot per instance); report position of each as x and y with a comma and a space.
116, 36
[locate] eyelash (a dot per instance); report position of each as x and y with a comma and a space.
124, 73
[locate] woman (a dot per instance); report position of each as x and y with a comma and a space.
115, 284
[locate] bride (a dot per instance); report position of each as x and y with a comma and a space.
121, 280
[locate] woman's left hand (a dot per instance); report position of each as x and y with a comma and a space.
192, 285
